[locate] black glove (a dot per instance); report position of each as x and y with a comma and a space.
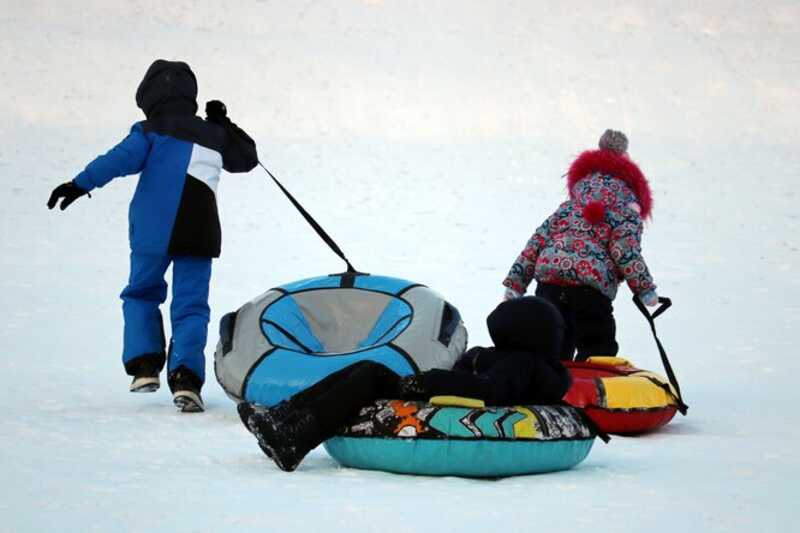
468, 362
239, 155
412, 388
216, 112
68, 191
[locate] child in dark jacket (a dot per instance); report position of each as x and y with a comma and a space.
522, 368
582, 252
173, 219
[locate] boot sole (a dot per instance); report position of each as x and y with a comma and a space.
188, 402
145, 384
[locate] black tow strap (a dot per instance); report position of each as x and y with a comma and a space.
321, 232
666, 303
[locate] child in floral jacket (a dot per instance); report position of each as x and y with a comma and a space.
583, 251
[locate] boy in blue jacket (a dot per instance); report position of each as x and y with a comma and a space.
173, 219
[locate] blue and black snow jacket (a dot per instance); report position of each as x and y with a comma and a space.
179, 156
174, 208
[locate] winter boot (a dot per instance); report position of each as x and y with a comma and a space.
245, 411
185, 387
145, 370
279, 412
287, 442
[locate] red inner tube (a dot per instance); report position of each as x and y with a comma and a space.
587, 393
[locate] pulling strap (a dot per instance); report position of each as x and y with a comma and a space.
665, 304
311, 221
308, 217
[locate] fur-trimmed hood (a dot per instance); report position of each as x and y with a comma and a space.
614, 164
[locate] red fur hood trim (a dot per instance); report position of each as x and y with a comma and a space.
617, 165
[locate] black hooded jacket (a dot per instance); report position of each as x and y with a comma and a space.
523, 366
179, 158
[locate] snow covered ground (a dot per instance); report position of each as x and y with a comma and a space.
429, 138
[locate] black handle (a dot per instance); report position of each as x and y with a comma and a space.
665, 303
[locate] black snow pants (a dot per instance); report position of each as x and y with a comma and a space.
510, 378
588, 317
338, 397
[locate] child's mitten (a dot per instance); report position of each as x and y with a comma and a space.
468, 360
649, 298
510, 294
412, 388
216, 112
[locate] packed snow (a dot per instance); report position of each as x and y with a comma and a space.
429, 138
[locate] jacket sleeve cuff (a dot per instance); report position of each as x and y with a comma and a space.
83, 181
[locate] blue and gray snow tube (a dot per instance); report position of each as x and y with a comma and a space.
295, 335
450, 440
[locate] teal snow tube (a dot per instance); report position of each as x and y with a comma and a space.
446, 440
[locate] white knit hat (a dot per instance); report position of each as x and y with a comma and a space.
613, 140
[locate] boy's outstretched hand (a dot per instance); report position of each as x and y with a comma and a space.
68, 191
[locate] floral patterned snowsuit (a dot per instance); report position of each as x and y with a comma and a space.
567, 249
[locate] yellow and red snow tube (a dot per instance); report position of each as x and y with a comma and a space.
620, 398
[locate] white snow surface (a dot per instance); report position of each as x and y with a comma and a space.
429, 138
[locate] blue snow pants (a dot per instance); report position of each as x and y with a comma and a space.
189, 311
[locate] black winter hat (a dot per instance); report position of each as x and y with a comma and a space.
167, 86
529, 323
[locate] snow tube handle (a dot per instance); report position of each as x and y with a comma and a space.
666, 303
